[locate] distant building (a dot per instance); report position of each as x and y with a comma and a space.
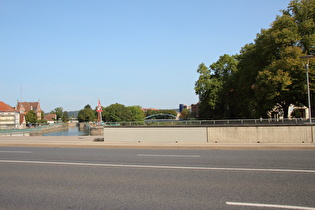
298, 112
190, 108
50, 118
294, 111
147, 109
184, 106
24, 107
9, 117
193, 108
181, 107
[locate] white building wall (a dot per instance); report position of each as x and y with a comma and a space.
9, 120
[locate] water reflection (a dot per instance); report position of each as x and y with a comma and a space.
71, 131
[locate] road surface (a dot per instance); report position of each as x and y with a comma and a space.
79, 178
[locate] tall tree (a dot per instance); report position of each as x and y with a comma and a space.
224, 69
269, 71
86, 114
117, 113
31, 117
136, 113
282, 79
207, 88
184, 115
213, 87
58, 111
65, 117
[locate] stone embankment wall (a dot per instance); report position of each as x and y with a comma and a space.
91, 130
213, 134
36, 131
97, 132
47, 129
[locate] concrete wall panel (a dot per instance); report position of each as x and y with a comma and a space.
270, 134
254, 134
155, 134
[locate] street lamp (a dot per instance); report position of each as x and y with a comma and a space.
308, 90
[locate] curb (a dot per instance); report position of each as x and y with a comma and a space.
89, 142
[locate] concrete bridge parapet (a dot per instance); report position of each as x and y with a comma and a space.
211, 134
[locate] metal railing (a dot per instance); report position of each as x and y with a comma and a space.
36, 130
210, 122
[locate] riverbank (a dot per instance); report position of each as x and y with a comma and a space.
57, 129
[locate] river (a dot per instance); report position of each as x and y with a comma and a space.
71, 131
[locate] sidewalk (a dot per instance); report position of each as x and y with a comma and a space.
88, 142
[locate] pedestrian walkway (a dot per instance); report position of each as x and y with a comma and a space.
88, 142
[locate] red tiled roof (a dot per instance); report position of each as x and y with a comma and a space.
50, 117
146, 109
6, 108
28, 106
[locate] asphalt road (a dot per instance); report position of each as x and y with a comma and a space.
78, 178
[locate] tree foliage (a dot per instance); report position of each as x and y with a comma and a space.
59, 112
212, 84
87, 114
136, 113
117, 113
31, 117
264, 73
113, 113
65, 117
184, 115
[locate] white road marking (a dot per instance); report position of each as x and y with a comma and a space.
26, 152
157, 167
153, 155
269, 205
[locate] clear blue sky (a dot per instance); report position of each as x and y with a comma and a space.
69, 53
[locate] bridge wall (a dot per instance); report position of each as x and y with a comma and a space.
224, 134
155, 134
270, 134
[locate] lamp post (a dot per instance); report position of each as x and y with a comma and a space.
308, 90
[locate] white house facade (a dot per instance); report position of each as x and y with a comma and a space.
9, 117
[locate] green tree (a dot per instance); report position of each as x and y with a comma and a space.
264, 73
302, 13
184, 115
88, 106
117, 113
59, 112
86, 114
213, 87
65, 117
206, 88
279, 75
224, 67
136, 113
31, 117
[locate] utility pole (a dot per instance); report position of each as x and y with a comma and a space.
308, 92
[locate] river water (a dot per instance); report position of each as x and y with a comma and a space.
71, 131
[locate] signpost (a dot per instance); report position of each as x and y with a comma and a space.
99, 116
